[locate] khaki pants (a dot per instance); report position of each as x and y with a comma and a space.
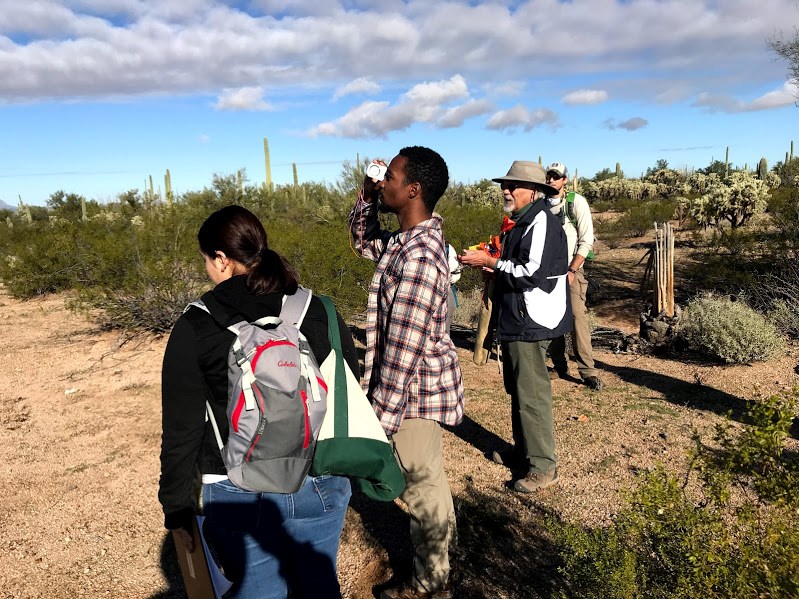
418, 447
581, 335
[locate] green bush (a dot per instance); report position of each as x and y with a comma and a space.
667, 542
40, 257
784, 210
729, 330
637, 219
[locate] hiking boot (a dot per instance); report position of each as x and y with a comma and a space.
510, 458
406, 591
593, 382
535, 481
558, 372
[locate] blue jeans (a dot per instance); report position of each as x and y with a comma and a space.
270, 543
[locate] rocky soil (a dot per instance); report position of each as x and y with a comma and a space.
81, 434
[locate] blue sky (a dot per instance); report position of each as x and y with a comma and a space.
97, 95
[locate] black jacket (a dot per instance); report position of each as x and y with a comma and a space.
195, 370
531, 291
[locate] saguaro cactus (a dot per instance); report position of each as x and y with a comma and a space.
762, 169
268, 166
791, 149
83, 215
618, 170
727, 162
25, 210
168, 188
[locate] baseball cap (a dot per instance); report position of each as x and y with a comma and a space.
558, 167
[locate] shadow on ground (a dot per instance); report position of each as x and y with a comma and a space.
692, 395
171, 571
501, 555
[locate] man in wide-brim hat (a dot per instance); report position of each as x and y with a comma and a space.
531, 307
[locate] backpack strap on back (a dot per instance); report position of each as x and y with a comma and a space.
295, 307
569, 207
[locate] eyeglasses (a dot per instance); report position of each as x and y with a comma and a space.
511, 187
554, 175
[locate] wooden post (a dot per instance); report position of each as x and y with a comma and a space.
663, 297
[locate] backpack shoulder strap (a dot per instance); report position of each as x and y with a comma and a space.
570, 209
296, 306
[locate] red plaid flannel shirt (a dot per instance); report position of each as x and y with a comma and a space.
412, 368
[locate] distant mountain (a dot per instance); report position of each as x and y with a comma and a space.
4, 206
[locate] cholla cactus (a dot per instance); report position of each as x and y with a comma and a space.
773, 180
701, 183
735, 201
615, 188
137, 222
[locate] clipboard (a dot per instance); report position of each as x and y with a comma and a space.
201, 576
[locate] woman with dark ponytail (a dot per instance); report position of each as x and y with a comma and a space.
270, 544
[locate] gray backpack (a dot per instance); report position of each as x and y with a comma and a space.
277, 400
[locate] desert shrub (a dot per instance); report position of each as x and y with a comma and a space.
151, 299
482, 193
784, 209
776, 294
669, 542
325, 261
728, 330
470, 302
636, 221
40, 257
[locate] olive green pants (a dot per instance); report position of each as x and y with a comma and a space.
526, 378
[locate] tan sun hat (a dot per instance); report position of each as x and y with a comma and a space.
524, 171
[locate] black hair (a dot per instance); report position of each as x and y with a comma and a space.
238, 233
427, 168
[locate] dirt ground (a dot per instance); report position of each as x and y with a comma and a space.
79, 457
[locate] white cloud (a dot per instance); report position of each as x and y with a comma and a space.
520, 117
70, 49
361, 85
245, 98
586, 96
204, 138
778, 98
456, 116
632, 124
427, 102
507, 88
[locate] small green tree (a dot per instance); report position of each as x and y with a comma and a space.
604, 174
717, 167
351, 177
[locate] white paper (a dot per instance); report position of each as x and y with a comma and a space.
218, 580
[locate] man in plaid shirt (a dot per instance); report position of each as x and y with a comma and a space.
413, 376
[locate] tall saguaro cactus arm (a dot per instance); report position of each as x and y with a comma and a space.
268, 166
